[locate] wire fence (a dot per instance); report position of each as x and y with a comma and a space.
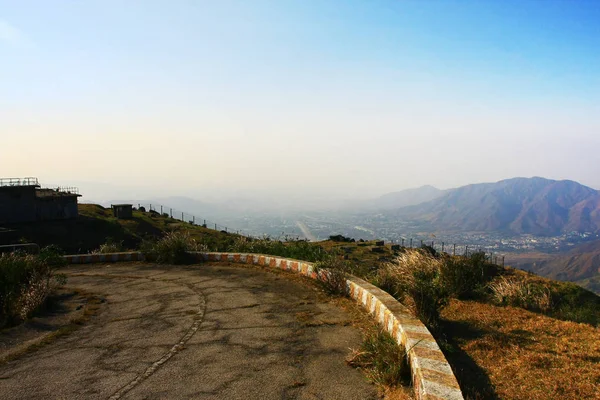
466, 250
454, 249
192, 219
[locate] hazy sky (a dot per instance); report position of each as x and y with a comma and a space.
312, 98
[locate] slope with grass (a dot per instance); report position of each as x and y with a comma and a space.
96, 226
581, 265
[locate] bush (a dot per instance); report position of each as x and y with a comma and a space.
340, 238
110, 246
333, 274
573, 303
518, 293
416, 279
383, 360
25, 283
467, 277
172, 248
298, 249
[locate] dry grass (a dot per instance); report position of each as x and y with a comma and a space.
381, 359
524, 355
517, 292
415, 277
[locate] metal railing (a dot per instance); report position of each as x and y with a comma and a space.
29, 181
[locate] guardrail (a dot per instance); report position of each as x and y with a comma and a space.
29, 181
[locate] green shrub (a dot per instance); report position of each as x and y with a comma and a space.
298, 249
25, 283
172, 248
467, 277
333, 273
383, 360
573, 303
415, 278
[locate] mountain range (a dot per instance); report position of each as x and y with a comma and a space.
536, 206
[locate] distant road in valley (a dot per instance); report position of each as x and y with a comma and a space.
307, 233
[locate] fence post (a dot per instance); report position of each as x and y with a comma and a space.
150, 207
171, 212
442, 247
193, 220
502, 261
215, 227
402, 242
454, 250
182, 216
466, 250
161, 210
421, 242
411, 243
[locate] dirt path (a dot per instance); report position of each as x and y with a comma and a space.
207, 332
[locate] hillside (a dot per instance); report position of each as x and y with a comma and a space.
581, 265
536, 206
96, 224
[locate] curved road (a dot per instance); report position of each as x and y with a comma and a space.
204, 332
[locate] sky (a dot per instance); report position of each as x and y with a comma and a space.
297, 100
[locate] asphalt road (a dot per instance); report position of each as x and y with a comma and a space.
203, 332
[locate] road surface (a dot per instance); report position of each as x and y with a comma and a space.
203, 332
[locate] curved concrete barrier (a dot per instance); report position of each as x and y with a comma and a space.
432, 375
99, 258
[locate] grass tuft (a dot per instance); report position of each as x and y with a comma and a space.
518, 293
382, 359
415, 277
25, 283
172, 248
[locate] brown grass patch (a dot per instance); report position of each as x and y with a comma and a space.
524, 355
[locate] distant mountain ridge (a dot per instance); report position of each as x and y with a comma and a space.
519, 205
407, 197
581, 265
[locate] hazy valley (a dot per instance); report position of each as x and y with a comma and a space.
547, 226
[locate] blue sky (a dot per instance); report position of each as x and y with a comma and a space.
313, 98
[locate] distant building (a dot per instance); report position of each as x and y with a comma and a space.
24, 200
122, 211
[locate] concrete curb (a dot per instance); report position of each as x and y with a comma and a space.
432, 375
98, 258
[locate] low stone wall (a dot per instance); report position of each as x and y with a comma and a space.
100, 258
432, 376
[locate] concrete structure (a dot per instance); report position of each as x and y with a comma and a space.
122, 211
23, 200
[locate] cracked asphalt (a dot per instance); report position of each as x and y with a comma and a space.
203, 332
